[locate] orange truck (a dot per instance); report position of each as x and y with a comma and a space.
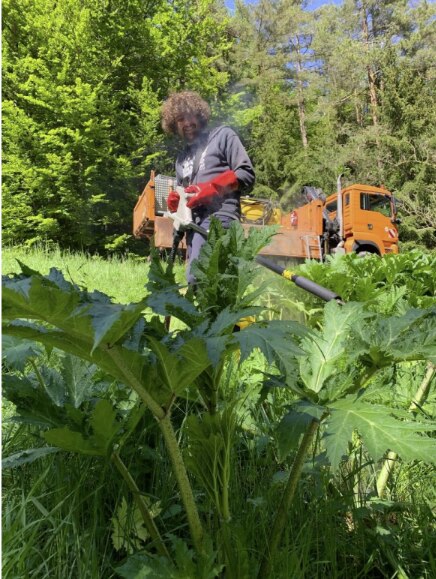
359, 218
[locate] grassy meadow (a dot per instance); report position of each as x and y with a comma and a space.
123, 279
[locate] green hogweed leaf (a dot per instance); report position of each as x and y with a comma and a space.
329, 351
224, 272
103, 422
169, 302
411, 336
380, 432
104, 427
33, 404
277, 340
73, 441
17, 352
179, 369
78, 377
294, 424
63, 305
27, 456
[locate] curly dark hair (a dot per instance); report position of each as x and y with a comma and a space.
180, 103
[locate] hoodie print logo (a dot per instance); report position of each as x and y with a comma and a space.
187, 167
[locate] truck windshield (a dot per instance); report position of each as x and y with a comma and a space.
376, 202
332, 206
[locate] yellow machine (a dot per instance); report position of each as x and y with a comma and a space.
260, 211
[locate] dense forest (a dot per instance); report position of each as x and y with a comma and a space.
346, 88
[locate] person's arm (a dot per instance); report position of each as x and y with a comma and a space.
238, 177
239, 161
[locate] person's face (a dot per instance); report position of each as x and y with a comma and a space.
188, 127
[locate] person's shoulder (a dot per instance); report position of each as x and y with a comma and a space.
222, 132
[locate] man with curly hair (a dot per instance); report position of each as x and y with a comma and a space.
213, 165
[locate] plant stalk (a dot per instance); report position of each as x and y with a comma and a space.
286, 501
387, 468
391, 457
185, 488
423, 390
173, 449
135, 384
145, 513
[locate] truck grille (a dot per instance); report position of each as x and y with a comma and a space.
162, 184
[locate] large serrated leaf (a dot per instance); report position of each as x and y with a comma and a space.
78, 376
112, 321
53, 384
33, 404
411, 336
73, 441
227, 319
36, 298
79, 314
277, 340
104, 428
294, 424
169, 302
104, 424
225, 273
121, 363
216, 347
328, 352
27, 456
179, 369
17, 352
380, 432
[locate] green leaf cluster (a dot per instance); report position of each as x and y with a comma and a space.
82, 87
339, 364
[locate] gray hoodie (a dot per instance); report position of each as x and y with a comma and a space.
213, 153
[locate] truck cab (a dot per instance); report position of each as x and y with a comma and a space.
368, 219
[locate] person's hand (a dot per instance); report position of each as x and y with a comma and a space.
205, 192
173, 201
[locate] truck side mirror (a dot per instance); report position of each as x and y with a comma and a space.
396, 220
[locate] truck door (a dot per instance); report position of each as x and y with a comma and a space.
372, 223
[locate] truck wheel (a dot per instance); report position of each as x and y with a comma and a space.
366, 253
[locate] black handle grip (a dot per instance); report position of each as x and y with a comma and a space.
300, 281
315, 289
177, 238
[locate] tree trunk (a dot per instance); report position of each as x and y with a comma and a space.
301, 102
372, 79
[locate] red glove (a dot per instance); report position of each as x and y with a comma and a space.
205, 192
173, 201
